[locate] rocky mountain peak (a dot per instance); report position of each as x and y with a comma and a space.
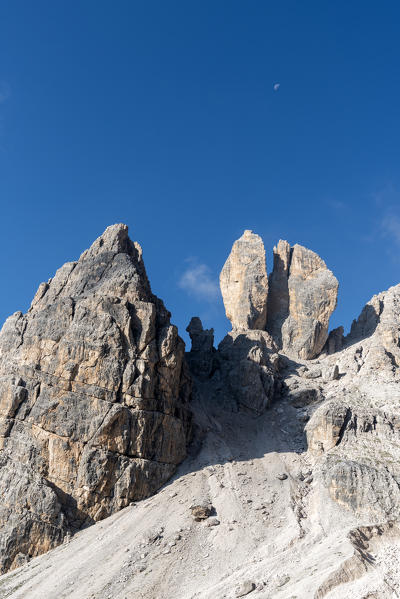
93, 398
113, 265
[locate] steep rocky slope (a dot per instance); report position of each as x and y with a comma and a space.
291, 488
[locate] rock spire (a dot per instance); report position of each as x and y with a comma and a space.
244, 283
312, 295
294, 306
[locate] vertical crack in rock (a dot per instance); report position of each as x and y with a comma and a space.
278, 298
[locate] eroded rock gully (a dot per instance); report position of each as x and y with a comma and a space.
295, 450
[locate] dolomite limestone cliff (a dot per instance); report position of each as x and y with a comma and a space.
295, 467
294, 305
303, 295
93, 399
355, 434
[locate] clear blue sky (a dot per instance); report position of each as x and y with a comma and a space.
163, 115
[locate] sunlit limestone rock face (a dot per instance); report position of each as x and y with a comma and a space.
244, 283
93, 399
294, 306
302, 297
329, 503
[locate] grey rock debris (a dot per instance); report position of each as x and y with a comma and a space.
245, 588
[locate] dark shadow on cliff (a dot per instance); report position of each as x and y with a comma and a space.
362, 328
225, 430
76, 519
278, 299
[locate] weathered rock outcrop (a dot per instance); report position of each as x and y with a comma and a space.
355, 435
358, 449
244, 283
335, 341
330, 507
373, 344
303, 295
93, 399
248, 364
201, 355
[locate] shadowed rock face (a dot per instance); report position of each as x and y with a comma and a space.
244, 283
201, 356
248, 365
93, 399
303, 295
278, 297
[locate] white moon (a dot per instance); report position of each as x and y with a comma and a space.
276, 86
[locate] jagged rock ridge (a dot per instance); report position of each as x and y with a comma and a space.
93, 399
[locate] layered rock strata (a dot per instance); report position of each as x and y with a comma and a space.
328, 508
93, 399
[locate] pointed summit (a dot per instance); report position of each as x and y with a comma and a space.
93, 398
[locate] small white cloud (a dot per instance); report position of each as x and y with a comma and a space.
337, 205
5, 91
197, 280
276, 86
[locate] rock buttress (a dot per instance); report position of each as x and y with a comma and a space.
93, 399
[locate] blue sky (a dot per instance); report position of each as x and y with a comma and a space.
163, 115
